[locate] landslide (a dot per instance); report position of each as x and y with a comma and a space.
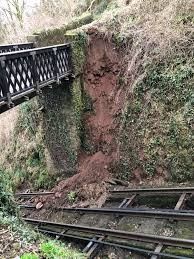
139, 77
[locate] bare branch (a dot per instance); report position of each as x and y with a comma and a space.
14, 12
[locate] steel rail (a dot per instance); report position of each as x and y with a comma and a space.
113, 244
24, 206
176, 190
126, 212
134, 212
186, 243
26, 194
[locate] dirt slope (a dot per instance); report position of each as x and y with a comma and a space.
98, 154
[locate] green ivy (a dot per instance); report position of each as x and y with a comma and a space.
7, 203
160, 118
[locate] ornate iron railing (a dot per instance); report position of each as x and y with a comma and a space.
16, 47
23, 73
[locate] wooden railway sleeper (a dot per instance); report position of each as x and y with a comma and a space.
180, 204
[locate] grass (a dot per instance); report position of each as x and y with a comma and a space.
157, 72
29, 256
53, 250
31, 240
7, 203
156, 38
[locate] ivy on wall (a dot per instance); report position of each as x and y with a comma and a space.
160, 117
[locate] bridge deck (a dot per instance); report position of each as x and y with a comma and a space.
23, 73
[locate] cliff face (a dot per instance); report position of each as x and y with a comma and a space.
140, 121
129, 111
103, 104
137, 132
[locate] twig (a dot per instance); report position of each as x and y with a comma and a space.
3, 232
90, 7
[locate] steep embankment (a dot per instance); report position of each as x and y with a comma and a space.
129, 110
98, 152
139, 79
7, 125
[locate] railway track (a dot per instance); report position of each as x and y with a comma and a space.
115, 238
182, 216
117, 245
184, 194
175, 190
99, 236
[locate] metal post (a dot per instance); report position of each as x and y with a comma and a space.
34, 72
56, 69
15, 47
5, 86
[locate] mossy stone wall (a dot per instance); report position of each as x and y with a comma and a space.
59, 127
62, 108
59, 35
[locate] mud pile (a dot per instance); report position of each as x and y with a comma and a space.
101, 125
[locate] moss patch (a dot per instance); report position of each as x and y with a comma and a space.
25, 161
159, 116
62, 116
60, 132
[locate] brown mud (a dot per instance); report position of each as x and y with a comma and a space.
101, 125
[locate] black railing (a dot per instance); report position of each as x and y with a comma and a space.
25, 72
16, 47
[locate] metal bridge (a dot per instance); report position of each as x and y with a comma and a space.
25, 70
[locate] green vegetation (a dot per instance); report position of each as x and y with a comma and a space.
71, 196
29, 256
160, 117
61, 136
79, 21
7, 204
43, 247
21, 233
53, 250
180, 251
79, 48
27, 234
62, 119
24, 160
156, 128
58, 35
